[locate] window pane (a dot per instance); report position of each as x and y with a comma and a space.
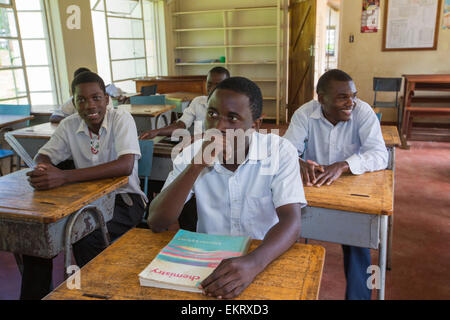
10, 53
30, 24
12, 83
7, 23
124, 8
5, 1
126, 86
42, 98
28, 5
35, 52
123, 49
128, 69
39, 79
15, 101
124, 28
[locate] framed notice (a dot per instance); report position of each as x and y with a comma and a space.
411, 25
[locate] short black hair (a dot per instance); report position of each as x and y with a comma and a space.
86, 77
80, 70
220, 70
331, 75
247, 87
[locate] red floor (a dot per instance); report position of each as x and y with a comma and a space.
420, 258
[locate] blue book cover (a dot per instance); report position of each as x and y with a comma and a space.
189, 258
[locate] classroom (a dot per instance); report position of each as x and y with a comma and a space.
318, 131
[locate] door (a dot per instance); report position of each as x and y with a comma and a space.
302, 30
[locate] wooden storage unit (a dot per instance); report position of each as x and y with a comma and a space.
246, 39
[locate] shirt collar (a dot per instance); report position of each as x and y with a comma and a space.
84, 128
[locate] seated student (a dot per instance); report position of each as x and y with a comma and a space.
196, 110
342, 134
103, 144
240, 196
68, 108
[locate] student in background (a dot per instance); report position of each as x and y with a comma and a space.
236, 196
342, 134
197, 108
68, 108
103, 144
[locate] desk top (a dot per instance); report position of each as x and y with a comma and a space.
19, 201
391, 136
147, 109
44, 130
114, 273
9, 119
183, 96
370, 193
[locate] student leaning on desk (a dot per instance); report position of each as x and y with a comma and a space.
250, 187
341, 134
197, 108
103, 144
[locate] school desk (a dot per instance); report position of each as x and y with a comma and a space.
10, 119
354, 211
113, 274
44, 223
146, 115
167, 84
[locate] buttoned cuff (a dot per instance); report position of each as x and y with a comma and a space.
355, 165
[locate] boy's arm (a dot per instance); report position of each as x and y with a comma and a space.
232, 276
46, 176
165, 131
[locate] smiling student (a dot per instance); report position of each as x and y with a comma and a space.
236, 196
341, 134
103, 144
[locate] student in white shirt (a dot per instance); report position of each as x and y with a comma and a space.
103, 144
337, 134
68, 108
259, 194
196, 111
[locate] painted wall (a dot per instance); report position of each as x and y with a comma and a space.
75, 47
363, 59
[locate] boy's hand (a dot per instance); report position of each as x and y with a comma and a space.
309, 169
332, 173
46, 176
211, 149
148, 134
230, 278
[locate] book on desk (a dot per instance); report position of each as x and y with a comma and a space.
189, 258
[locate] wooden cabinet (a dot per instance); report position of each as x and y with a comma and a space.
169, 84
246, 39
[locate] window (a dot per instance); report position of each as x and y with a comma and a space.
26, 71
124, 40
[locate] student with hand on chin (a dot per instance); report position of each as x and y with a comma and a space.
258, 194
335, 135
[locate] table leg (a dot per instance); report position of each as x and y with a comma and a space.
382, 255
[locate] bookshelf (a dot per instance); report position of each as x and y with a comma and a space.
248, 40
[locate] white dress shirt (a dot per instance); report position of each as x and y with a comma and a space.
196, 111
118, 136
358, 141
244, 202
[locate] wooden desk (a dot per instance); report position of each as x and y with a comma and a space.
36, 222
354, 211
147, 116
167, 84
9, 120
423, 82
113, 274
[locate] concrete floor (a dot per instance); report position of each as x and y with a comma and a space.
420, 257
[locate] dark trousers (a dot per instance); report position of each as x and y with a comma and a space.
37, 272
356, 262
